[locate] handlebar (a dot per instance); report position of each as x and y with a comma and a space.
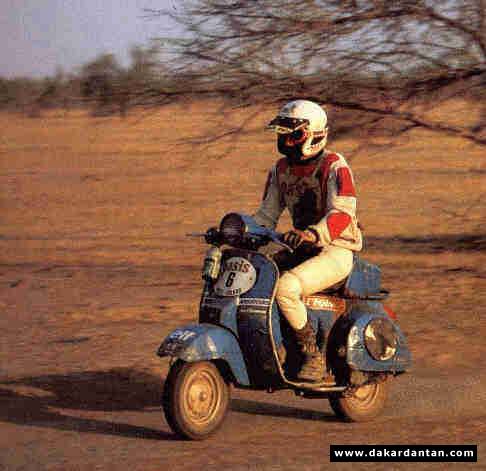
213, 236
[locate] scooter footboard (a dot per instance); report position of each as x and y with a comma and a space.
376, 343
199, 342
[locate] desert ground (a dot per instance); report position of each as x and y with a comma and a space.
96, 269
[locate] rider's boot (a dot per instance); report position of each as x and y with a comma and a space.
313, 367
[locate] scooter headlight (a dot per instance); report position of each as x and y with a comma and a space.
232, 228
380, 339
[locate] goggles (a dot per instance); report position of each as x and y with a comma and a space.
286, 125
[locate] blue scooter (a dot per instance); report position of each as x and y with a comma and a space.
242, 339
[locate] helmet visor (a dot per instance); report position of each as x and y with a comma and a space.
287, 125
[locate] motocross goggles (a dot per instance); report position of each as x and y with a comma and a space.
287, 125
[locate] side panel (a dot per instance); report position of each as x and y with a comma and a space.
358, 356
198, 342
364, 279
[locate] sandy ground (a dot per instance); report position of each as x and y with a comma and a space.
96, 269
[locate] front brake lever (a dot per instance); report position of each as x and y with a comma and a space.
278, 241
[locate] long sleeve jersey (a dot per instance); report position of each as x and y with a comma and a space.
319, 195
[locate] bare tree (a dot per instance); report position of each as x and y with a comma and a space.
379, 58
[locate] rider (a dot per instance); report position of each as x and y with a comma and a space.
317, 187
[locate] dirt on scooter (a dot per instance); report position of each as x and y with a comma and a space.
241, 338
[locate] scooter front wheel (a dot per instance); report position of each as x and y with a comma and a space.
364, 404
195, 399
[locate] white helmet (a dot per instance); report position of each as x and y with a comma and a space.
305, 124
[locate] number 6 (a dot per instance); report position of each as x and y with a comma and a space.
231, 279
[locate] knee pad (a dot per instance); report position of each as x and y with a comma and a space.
289, 287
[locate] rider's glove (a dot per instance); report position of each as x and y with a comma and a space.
295, 238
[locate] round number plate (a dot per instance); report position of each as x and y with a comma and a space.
237, 277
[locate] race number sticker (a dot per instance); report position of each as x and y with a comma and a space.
237, 277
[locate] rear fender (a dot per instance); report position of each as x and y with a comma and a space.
199, 342
359, 358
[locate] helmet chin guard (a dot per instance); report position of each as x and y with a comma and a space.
302, 129
314, 144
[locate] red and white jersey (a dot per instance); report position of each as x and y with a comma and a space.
320, 195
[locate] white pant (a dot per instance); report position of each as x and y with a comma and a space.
332, 265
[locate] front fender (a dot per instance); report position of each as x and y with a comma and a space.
358, 356
199, 342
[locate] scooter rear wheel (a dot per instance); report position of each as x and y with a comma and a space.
366, 403
195, 399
